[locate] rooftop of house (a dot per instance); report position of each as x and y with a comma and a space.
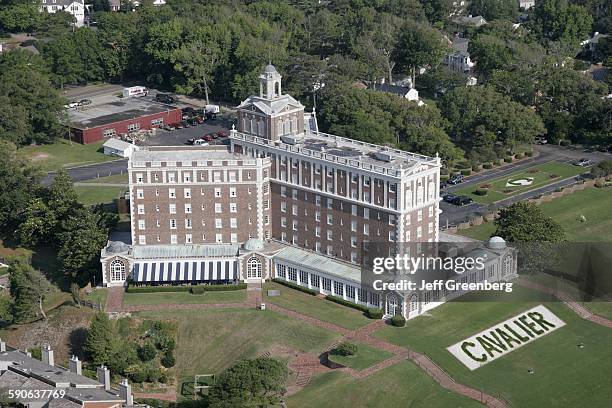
460, 44
183, 154
118, 144
390, 88
476, 21
95, 115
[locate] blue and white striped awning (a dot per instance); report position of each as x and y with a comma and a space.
185, 271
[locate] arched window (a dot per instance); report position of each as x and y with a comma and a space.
414, 303
277, 89
392, 308
253, 267
117, 271
507, 265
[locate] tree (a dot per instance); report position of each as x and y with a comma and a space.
38, 225
525, 222
494, 9
61, 196
101, 5
437, 10
29, 287
602, 169
101, 338
147, 352
250, 382
559, 20
75, 291
19, 17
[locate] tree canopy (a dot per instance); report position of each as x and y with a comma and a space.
525, 222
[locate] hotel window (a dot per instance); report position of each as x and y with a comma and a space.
171, 177
283, 222
203, 237
233, 237
294, 194
266, 188
232, 176
317, 216
218, 223
187, 208
366, 229
292, 274
420, 215
141, 209
354, 194
318, 246
266, 220
188, 239
407, 235
354, 242
330, 219
219, 238
295, 225
283, 206
353, 257
284, 236
354, 210
217, 192
408, 218
304, 277
366, 182
330, 250
218, 208
233, 223
430, 227
281, 271
232, 191
294, 209
430, 211
217, 176
187, 193
142, 240
157, 207
317, 169
156, 177
186, 177
354, 226
140, 193
250, 221
172, 224
375, 299
327, 284
366, 213
330, 204
172, 208
391, 236
391, 188
338, 289
318, 231
350, 292
266, 204
354, 178
314, 280
188, 223
362, 295
392, 220
139, 178
233, 207
248, 175
171, 193
157, 192
419, 232
173, 239
157, 223
141, 224
283, 191
330, 235
318, 200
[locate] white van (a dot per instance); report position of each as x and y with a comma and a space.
214, 109
200, 142
135, 92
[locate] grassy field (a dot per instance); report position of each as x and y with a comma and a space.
565, 375
315, 307
62, 153
401, 385
97, 295
542, 175
593, 203
115, 178
365, 357
90, 195
231, 296
211, 341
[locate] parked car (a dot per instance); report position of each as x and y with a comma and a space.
462, 200
541, 140
449, 198
71, 104
583, 162
222, 133
169, 128
456, 179
208, 138
185, 124
165, 98
179, 125
84, 102
200, 142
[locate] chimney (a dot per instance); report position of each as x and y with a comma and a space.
2, 346
75, 365
104, 377
125, 392
47, 355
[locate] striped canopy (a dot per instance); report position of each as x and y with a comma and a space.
185, 271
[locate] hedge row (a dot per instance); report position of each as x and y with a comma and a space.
375, 313
190, 288
295, 286
347, 303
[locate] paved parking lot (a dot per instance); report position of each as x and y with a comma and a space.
179, 137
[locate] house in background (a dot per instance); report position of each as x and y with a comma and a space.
77, 8
403, 92
526, 4
471, 21
459, 59
117, 147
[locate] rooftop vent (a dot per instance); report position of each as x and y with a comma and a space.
290, 139
383, 156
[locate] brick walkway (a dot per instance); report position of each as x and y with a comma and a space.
167, 396
114, 300
575, 306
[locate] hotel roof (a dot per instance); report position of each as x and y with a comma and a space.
319, 262
185, 154
184, 251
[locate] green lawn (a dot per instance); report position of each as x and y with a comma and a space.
97, 295
542, 175
62, 153
90, 195
365, 357
315, 307
401, 385
212, 340
593, 203
231, 296
115, 178
565, 375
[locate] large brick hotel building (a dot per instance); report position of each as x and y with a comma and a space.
285, 201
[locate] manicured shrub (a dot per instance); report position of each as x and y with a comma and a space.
147, 352
224, 288
487, 166
165, 342
398, 321
481, 192
508, 159
466, 172
168, 360
295, 286
163, 378
153, 374
375, 313
186, 288
138, 376
347, 303
345, 349
198, 290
